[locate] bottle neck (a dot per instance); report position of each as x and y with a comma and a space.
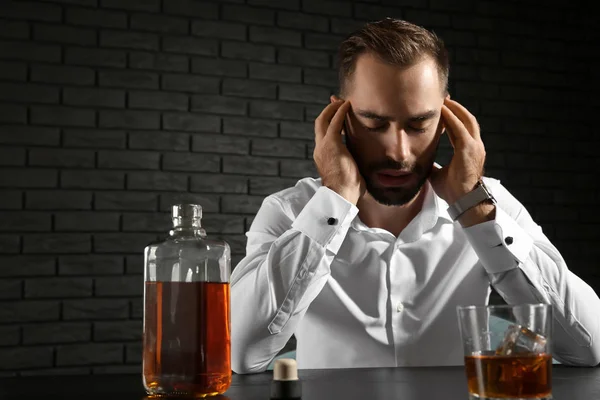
187, 227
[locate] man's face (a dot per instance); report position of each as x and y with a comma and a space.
394, 125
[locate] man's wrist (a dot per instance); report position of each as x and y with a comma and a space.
482, 212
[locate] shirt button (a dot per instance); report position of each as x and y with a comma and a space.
509, 240
332, 221
400, 307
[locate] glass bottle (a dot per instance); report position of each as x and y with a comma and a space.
186, 338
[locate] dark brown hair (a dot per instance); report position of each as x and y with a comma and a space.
395, 42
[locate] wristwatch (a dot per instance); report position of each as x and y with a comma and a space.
478, 195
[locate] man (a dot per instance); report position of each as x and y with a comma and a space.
367, 265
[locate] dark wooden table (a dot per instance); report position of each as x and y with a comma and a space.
360, 384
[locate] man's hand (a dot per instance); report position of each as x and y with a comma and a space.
334, 162
465, 169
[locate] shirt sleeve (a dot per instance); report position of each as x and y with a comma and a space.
287, 264
524, 267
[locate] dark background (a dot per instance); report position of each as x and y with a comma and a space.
111, 110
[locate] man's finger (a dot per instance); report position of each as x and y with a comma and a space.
457, 132
468, 119
335, 127
324, 119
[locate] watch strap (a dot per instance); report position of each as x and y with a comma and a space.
470, 200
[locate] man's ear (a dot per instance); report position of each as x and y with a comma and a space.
333, 98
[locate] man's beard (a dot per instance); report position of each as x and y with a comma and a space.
394, 196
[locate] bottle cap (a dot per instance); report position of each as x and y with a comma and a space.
187, 211
285, 385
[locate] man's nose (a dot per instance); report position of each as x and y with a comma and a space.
398, 145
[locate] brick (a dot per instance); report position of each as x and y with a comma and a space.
266, 186
319, 41
281, 73
31, 11
14, 71
158, 101
477, 90
248, 51
374, 12
116, 369
324, 77
125, 201
327, 7
219, 183
159, 23
13, 114
304, 93
250, 165
220, 144
28, 93
241, 204
428, 18
449, 5
192, 8
135, 265
209, 203
96, 57
190, 83
89, 354
457, 38
88, 3
14, 29
61, 158
276, 110
158, 61
300, 57
342, 26
121, 243
62, 116
119, 286
95, 309
90, 264
249, 127
219, 29
58, 200
10, 244
218, 105
96, 17
248, 88
284, 5
133, 353
29, 311
248, 15
117, 331
11, 289
298, 169
305, 22
278, 148
129, 40
25, 357
190, 162
219, 223
64, 34
190, 45
57, 243
128, 159
156, 140
10, 335
23, 265
135, 5
12, 156
156, 180
29, 177
277, 36
142, 222
129, 79
62, 74
86, 221
219, 67
58, 287
92, 179
472, 22
62, 332
191, 122
129, 119
24, 221
30, 51
94, 97
479, 56
11, 199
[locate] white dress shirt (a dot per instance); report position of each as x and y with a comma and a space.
356, 296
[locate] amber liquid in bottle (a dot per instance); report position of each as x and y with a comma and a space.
516, 376
186, 341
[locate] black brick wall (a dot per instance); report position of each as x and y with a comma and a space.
111, 110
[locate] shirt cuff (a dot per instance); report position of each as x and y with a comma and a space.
500, 244
326, 218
